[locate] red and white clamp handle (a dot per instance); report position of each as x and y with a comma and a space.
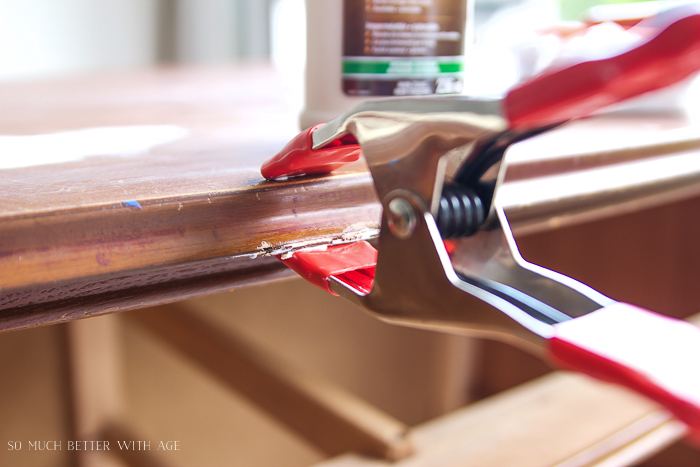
652, 354
668, 53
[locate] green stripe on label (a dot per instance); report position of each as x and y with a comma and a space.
402, 67
453, 67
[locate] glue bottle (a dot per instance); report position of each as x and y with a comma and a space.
370, 49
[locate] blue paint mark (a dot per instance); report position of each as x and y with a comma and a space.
393, 162
132, 204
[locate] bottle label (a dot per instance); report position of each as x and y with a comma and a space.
403, 47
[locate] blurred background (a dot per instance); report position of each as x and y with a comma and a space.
51, 37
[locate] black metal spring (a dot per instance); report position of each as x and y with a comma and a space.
461, 212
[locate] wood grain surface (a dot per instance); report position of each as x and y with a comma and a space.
71, 247
138, 188
558, 420
324, 414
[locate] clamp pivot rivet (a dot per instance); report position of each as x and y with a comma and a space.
401, 218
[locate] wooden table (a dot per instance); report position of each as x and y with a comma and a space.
141, 188
72, 246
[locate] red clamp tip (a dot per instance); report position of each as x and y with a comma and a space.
353, 264
298, 158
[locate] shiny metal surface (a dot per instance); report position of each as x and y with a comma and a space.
428, 104
423, 290
416, 281
406, 150
492, 255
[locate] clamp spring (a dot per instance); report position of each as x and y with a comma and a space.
461, 212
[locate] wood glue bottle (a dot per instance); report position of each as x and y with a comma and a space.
369, 49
